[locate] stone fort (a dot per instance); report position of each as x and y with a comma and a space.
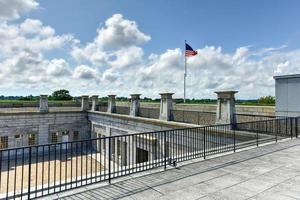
46, 147
23, 124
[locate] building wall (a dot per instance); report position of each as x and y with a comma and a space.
254, 110
43, 125
109, 124
116, 124
18, 127
287, 91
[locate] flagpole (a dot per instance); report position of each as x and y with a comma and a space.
184, 76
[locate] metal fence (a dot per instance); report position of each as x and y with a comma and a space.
36, 171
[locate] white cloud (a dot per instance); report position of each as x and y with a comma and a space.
58, 68
84, 72
115, 38
34, 26
15, 38
11, 9
115, 61
128, 58
90, 53
22, 60
119, 32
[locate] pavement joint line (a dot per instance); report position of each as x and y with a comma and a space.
283, 147
275, 186
238, 184
257, 177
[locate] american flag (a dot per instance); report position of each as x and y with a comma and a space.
189, 51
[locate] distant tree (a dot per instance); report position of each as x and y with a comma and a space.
61, 95
122, 99
27, 98
267, 100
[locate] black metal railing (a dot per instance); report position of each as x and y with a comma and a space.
36, 171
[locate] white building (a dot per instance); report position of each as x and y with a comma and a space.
287, 92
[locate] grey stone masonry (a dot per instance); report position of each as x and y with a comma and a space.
94, 102
111, 103
135, 104
85, 103
44, 104
43, 125
225, 107
166, 106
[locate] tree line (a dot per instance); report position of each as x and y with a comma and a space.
64, 95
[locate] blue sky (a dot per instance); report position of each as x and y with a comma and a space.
123, 47
229, 23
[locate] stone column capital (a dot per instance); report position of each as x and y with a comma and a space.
112, 95
226, 94
135, 96
95, 96
166, 95
43, 96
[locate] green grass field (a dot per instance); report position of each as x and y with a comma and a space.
246, 103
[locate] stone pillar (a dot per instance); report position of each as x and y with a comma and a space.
135, 104
85, 103
111, 103
43, 134
225, 107
94, 102
166, 106
44, 104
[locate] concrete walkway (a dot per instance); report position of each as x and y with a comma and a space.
268, 172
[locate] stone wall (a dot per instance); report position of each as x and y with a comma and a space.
36, 104
125, 124
254, 110
43, 125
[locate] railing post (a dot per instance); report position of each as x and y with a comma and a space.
204, 143
286, 128
29, 173
276, 127
109, 160
291, 127
266, 126
233, 140
296, 126
257, 134
165, 149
